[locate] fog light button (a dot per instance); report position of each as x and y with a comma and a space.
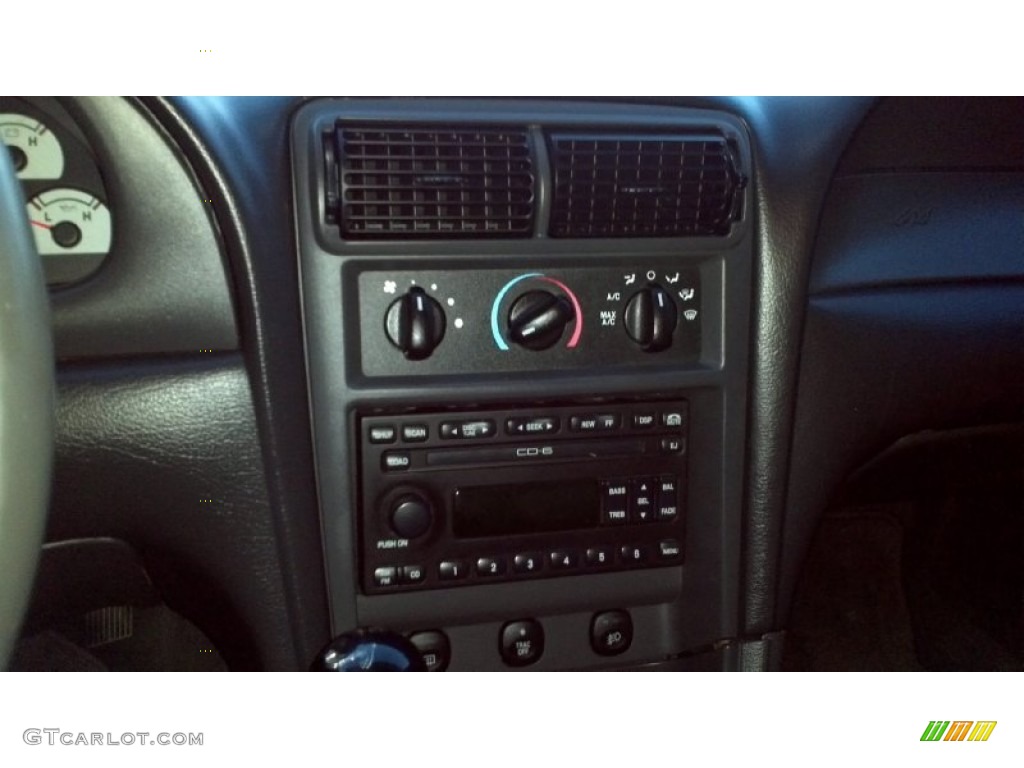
611, 633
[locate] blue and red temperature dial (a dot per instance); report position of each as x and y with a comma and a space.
537, 318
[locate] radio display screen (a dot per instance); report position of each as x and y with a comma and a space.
505, 510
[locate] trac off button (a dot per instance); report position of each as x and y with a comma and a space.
611, 633
522, 642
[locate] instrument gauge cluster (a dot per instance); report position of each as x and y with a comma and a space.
67, 202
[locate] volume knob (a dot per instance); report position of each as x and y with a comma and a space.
411, 516
415, 324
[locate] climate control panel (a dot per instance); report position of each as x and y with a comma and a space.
450, 321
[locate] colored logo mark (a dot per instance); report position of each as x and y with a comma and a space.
958, 730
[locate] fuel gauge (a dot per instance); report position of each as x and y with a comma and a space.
35, 151
73, 233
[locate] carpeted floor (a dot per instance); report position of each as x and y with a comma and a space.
922, 565
95, 609
155, 640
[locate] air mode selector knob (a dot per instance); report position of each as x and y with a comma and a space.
650, 318
411, 516
415, 324
537, 319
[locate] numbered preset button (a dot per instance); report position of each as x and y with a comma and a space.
633, 554
527, 562
599, 557
491, 566
563, 559
453, 570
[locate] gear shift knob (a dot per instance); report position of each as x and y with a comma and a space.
369, 650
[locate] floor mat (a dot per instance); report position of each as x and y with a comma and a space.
963, 573
94, 608
50, 651
931, 578
152, 639
850, 612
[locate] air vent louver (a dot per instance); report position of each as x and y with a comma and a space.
424, 182
643, 185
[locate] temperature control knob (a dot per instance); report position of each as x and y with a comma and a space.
537, 318
650, 318
415, 324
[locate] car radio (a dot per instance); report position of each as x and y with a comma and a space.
458, 498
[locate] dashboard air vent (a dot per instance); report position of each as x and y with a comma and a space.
425, 182
643, 185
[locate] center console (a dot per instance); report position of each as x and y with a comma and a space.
526, 329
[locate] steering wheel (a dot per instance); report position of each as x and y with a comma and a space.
26, 407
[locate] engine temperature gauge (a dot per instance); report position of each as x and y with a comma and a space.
73, 232
35, 151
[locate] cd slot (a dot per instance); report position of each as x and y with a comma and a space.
535, 452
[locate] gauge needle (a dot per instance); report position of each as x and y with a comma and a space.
40, 224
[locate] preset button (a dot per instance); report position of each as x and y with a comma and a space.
563, 559
453, 570
527, 562
599, 556
491, 566
633, 554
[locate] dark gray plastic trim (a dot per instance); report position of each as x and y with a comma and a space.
891, 229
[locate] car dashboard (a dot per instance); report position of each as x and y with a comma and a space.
546, 384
